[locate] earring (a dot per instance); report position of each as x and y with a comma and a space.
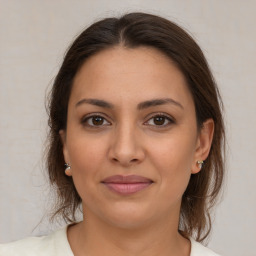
200, 164
67, 169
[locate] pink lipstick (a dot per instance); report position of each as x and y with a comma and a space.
126, 185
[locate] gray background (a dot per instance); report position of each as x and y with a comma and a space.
33, 38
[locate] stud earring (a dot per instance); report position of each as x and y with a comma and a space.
200, 164
67, 169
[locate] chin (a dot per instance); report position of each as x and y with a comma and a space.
129, 223
128, 217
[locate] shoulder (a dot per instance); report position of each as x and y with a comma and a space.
54, 244
198, 249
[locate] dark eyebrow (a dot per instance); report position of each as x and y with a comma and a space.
156, 102
96, 102
142, 105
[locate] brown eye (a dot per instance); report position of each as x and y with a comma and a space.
97, 120
160, 120
94, 121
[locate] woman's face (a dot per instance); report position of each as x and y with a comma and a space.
132, 139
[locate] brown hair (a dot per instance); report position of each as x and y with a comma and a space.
133, 30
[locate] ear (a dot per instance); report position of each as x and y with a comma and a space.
203, 146
65, 151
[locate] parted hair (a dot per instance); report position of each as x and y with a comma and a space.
134, 30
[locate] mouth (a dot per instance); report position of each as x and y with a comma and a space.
126, 185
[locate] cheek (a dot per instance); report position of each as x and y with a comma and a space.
173, 152
172, 159
87, 154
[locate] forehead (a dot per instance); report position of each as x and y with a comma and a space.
125, 73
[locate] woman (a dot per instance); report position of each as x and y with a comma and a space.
135, 118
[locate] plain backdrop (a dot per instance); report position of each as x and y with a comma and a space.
34, 35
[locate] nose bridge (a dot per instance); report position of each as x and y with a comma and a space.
126, 146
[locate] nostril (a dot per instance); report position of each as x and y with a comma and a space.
131, 161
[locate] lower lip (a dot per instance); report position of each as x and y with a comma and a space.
127, 188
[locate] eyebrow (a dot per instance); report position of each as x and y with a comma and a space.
140, 106
157, 102
96, 102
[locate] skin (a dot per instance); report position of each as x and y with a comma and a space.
128, 140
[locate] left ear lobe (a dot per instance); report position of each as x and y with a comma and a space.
204, 143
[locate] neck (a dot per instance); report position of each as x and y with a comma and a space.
94, 236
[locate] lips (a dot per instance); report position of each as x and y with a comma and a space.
126, 185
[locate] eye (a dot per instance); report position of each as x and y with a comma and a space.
160, 120
94, 121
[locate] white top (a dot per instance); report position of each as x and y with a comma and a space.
56, 244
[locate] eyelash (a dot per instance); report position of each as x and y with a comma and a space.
166, 117
86, 118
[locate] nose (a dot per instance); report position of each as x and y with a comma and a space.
126, 146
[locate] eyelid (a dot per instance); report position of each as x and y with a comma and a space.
167, 116
97, 114
152, 115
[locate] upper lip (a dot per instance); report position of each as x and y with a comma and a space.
127, 179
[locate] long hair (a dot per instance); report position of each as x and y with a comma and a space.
133, 30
